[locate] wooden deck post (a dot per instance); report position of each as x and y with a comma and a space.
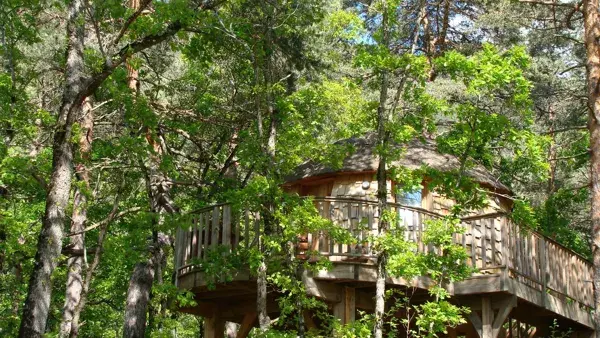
487, 318
543, 270
490, 325
214, 327
345, 310
247, 324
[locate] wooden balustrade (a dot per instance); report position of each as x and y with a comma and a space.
211, 228
544, 264
491, 241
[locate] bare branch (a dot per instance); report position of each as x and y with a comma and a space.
565, 129
570, 157
580, 65
129, 21
96, 29
111, 217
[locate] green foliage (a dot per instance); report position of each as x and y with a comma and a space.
447, 261
523, 214
556, 332
318, 114
435, 317
555, 216
221, 265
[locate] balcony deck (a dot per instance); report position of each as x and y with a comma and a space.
541, 274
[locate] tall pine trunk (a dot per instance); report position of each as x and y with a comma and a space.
37, 304
87, 281
138, 297
74, 286
381, 186
264, 321
592, 44
140, 285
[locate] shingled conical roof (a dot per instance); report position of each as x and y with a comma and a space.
418, 153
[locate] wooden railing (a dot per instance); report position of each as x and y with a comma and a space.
492, 242
544, 264
211, 228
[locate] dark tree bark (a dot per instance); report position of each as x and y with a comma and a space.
138, 297
264, 321
92, 268
592, 44
381, 186
158, 191
37, 304
74, 286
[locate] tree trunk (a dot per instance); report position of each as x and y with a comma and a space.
261, 298
138, 297
158, 191
74, 286
592, 45
264, 321
37, 304
91, 269
552, 153
381, 186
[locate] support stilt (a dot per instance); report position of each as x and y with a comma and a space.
345, 310
490, 324
246, 325
214, 327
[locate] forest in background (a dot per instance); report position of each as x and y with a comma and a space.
119, 118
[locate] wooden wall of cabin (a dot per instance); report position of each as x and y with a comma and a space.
480, 234
350, 185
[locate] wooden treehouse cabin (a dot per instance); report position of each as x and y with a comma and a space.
523, 283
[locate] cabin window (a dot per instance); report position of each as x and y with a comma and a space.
411, 199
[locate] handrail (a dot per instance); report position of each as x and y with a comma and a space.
553, 241
371, 202
491, 241
483, 216
206, 208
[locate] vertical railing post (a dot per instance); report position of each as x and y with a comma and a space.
473, 244
238, 224
200, 225
207, 233
246, 229
483, 227
226, 231
543, 268
215, 227
504, 233
177, 254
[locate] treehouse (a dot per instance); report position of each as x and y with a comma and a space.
522, 284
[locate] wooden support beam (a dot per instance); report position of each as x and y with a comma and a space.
214, 327
344, 310
505, 307
247, 324
489, 324
349, 304
328, 292
476, 321
487, 317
